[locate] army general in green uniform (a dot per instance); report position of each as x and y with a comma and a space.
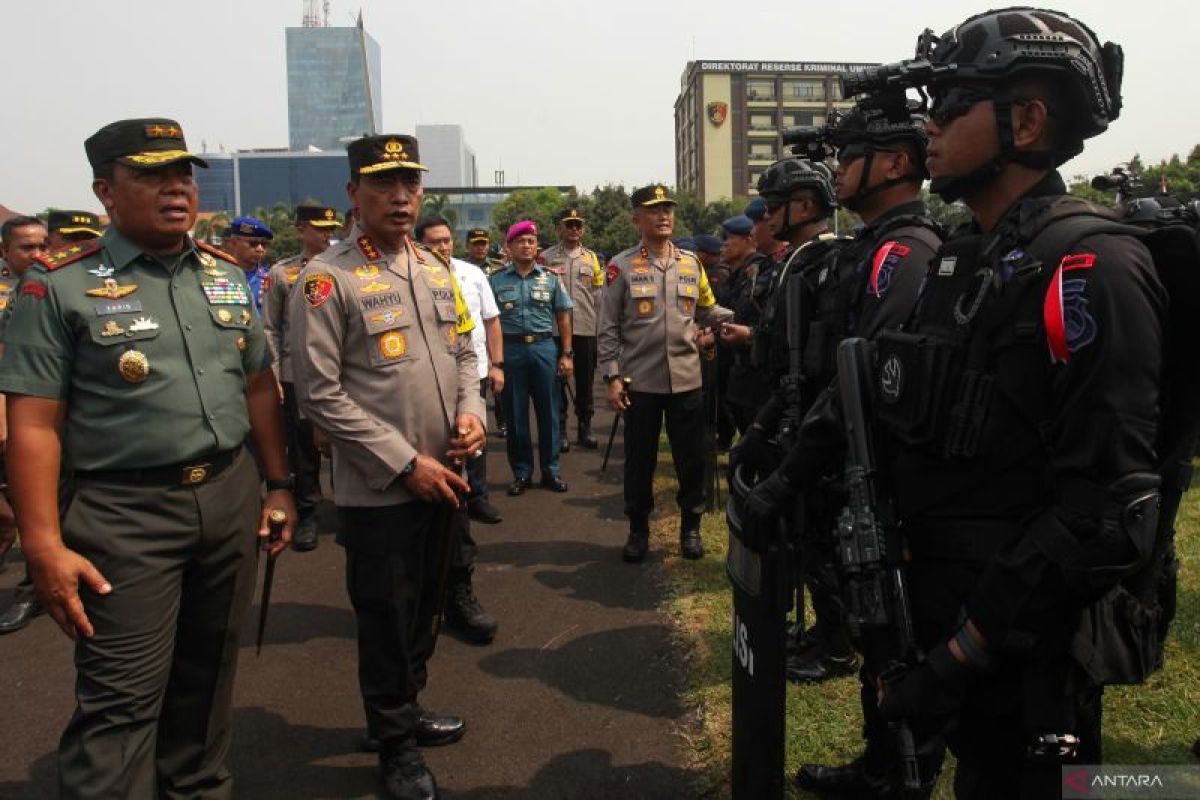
138, 359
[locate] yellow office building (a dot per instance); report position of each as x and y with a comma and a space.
730, 114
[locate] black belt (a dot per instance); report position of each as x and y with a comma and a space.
188, 473
527, 338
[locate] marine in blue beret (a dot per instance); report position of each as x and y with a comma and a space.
247, 240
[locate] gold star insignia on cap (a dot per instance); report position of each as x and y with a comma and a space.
329, 213
659, 192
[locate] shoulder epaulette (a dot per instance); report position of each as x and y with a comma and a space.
68, 255
221, 254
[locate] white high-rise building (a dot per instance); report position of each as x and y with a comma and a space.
450, 160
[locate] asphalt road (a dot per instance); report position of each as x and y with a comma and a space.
576, 698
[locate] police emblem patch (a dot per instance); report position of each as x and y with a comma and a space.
317, 288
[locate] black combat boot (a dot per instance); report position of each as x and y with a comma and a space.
690, 545
405, 776
638, 541
816, 664
465, 614
845, 780
305, 537
586, 438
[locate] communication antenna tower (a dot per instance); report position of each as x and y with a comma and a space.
316, 13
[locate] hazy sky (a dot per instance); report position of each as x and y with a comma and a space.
562, 92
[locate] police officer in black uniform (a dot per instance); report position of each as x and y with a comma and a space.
799, 198
1018, 410
745, 293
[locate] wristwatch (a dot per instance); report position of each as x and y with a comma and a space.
498, 364
288, 483
408, 469
568, 353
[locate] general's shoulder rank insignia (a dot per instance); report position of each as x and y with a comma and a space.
212, 251
70, 255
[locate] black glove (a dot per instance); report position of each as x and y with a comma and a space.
770, 497
934, 690
754, 453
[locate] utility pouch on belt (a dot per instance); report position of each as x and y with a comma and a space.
914, 373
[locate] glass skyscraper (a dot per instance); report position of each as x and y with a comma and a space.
333, 86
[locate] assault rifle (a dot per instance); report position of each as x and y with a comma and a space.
870, 553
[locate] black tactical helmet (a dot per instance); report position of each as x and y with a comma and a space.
997, 46
882, 120
1142, 209
789, 174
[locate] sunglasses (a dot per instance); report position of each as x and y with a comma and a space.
573, 223
948, 106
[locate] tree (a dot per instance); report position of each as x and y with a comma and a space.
610, 220
948, 215
540, 205
211, 229
438, 205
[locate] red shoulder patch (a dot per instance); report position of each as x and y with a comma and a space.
612, 272
221, 254
1069, 323
68, 255
886, 259
34, 289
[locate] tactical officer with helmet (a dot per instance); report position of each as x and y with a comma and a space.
880, 147
799, 198
1019, 411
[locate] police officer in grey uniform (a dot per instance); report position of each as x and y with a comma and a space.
656, 301
138, 359
316, 225
578, 270
383, 365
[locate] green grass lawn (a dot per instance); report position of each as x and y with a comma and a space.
1155, 723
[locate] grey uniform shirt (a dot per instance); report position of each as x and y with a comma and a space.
580, 275
280, 280
382, 362
648, 319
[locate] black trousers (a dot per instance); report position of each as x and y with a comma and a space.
393, 560
155, 684
684, 414
1032, 691
585, 377
304, 459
